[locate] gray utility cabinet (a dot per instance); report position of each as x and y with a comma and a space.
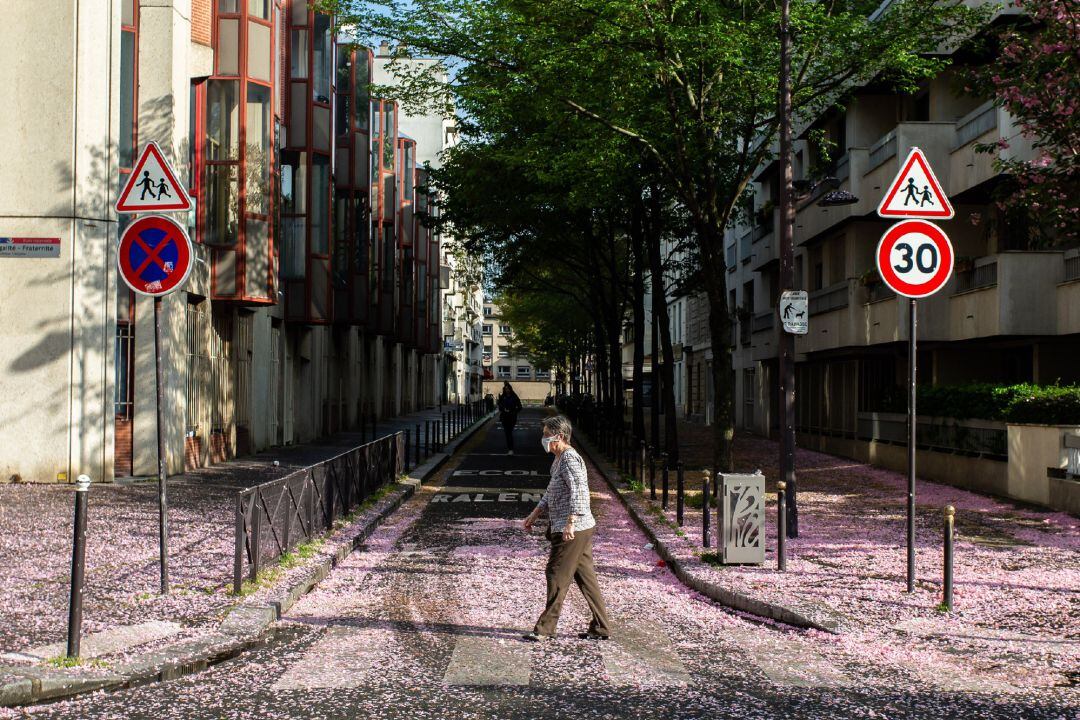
742, 518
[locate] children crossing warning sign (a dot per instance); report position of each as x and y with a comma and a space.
916, 192
152, 185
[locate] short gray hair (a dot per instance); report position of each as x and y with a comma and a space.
558, 425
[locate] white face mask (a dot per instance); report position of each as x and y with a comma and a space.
546, 442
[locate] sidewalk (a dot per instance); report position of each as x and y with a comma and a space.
122, 571
1016, 575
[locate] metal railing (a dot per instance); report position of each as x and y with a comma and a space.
1072, 268
980, 438
833, 297
272, 518
982, 120
980, 276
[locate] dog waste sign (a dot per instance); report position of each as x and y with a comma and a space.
794, 308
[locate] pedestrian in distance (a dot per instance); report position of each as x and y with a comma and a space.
570, 532
509, 407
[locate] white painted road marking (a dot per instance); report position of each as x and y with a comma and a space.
486, 497
486, 660
642, 655
787, 661
344, 657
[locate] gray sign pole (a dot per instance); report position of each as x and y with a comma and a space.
163, 504
912, 327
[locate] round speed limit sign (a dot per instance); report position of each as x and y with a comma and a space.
915, 258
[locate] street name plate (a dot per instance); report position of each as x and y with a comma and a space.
29, 247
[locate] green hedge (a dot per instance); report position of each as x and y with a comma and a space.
1048, 405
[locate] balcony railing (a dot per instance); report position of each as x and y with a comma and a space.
1072, 268
763, 321
882, 150
982, 120
980, 276
831, 298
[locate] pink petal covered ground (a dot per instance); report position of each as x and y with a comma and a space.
1016, 574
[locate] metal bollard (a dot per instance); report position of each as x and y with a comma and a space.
950, 518
78, 568
652, 474
781, 526
664, 485
408, 446
706, 512
680, 494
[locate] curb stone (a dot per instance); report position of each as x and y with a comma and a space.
243, 627
713, 591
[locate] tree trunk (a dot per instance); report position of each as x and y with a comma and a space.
638, 297
720, 339
671, 431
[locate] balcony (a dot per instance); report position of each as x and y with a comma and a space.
811, 219
828, 299
832, 319
765, 241
884, 157
763, 327
1006, 294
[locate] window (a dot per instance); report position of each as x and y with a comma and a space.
360, 91
298, 58
504, 352
259, 9
293, 211
502, 372
543, 374
524, 372
322, 69
258, 149
127, 99
388, 258
487, 312
485, 330
320, 204
504, 329
409, 180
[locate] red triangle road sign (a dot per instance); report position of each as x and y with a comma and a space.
915, 192
152, 185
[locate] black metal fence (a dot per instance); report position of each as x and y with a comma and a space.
272, 518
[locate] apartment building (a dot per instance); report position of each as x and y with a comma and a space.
502, 362
458, 373
316, 288
1006, 316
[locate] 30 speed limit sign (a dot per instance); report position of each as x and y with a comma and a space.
915, 258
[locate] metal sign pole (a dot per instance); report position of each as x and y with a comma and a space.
163, 506
912, 327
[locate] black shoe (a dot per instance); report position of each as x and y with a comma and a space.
593, 636
537, 637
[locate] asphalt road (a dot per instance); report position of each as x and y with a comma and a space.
425, 622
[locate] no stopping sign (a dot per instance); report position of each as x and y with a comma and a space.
915, 258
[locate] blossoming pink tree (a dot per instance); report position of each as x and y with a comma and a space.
1036, 77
